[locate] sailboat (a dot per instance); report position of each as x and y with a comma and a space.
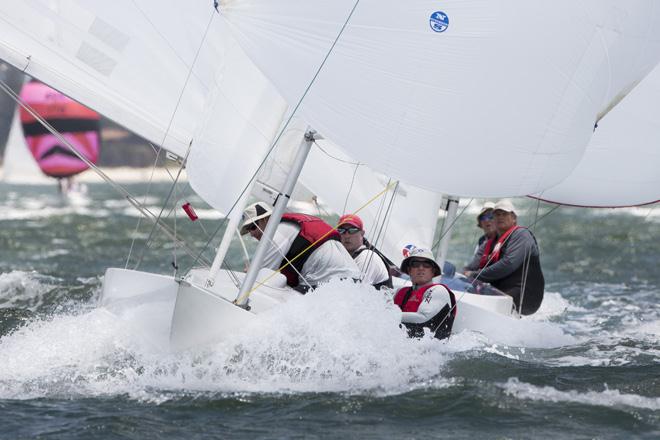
18, 164
405, 88
35, 156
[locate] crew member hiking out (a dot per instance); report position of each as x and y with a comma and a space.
425, 304
305, 248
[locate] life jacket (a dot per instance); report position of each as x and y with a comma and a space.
512, 285
441, 324
367, 246
493, 248
312, 230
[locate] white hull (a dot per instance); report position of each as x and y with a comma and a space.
197, 315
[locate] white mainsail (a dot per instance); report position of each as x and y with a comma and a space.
507, 84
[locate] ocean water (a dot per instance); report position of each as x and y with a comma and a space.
330, 365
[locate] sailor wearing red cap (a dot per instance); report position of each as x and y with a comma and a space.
371, 262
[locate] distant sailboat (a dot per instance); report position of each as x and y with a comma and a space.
76, 123
18, 164
499, 86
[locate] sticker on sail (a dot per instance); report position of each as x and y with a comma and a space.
439, 21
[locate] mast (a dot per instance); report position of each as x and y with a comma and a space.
232, 224
445, 234
276, 216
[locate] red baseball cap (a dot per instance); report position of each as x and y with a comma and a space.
351, 219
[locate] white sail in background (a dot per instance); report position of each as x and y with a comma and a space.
507, 85
621, 166
167, 70
18, 165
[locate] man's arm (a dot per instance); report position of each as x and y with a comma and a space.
434, 300
284, 236
474, 264
520, 245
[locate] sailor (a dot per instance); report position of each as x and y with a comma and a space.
305, 248
372, 264
426, 304
486, 222
510, 262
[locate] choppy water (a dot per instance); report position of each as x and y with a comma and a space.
334, 364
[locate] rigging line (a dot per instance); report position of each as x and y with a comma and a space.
285, 126
386, 218
144, 201
525, 272
472, 283
160, 214
334, 157
379, 212
556, 207
258, 284
350, 188
120, 189
527, 262
176, 108
435, 245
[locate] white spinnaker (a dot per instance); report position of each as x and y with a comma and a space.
621, 166
509, 84
403, 215
159, 69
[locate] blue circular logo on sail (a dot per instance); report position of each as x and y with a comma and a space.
439, 21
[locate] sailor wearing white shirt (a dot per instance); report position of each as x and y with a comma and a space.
374, 268
305, 248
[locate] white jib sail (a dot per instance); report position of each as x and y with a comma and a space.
414, 88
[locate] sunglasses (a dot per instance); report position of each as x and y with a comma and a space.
421, 263
352, 230
486, 216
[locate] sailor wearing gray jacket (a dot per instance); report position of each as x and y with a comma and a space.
510, 262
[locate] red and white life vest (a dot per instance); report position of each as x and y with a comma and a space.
493, 248
314, 231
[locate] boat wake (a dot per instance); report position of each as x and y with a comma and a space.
343, 338
608, 398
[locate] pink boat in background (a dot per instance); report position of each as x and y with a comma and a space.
78, 124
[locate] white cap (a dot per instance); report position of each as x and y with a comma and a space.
254, 212
504, 205
488, 206
420, 254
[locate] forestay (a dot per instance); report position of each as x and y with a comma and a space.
492, 84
